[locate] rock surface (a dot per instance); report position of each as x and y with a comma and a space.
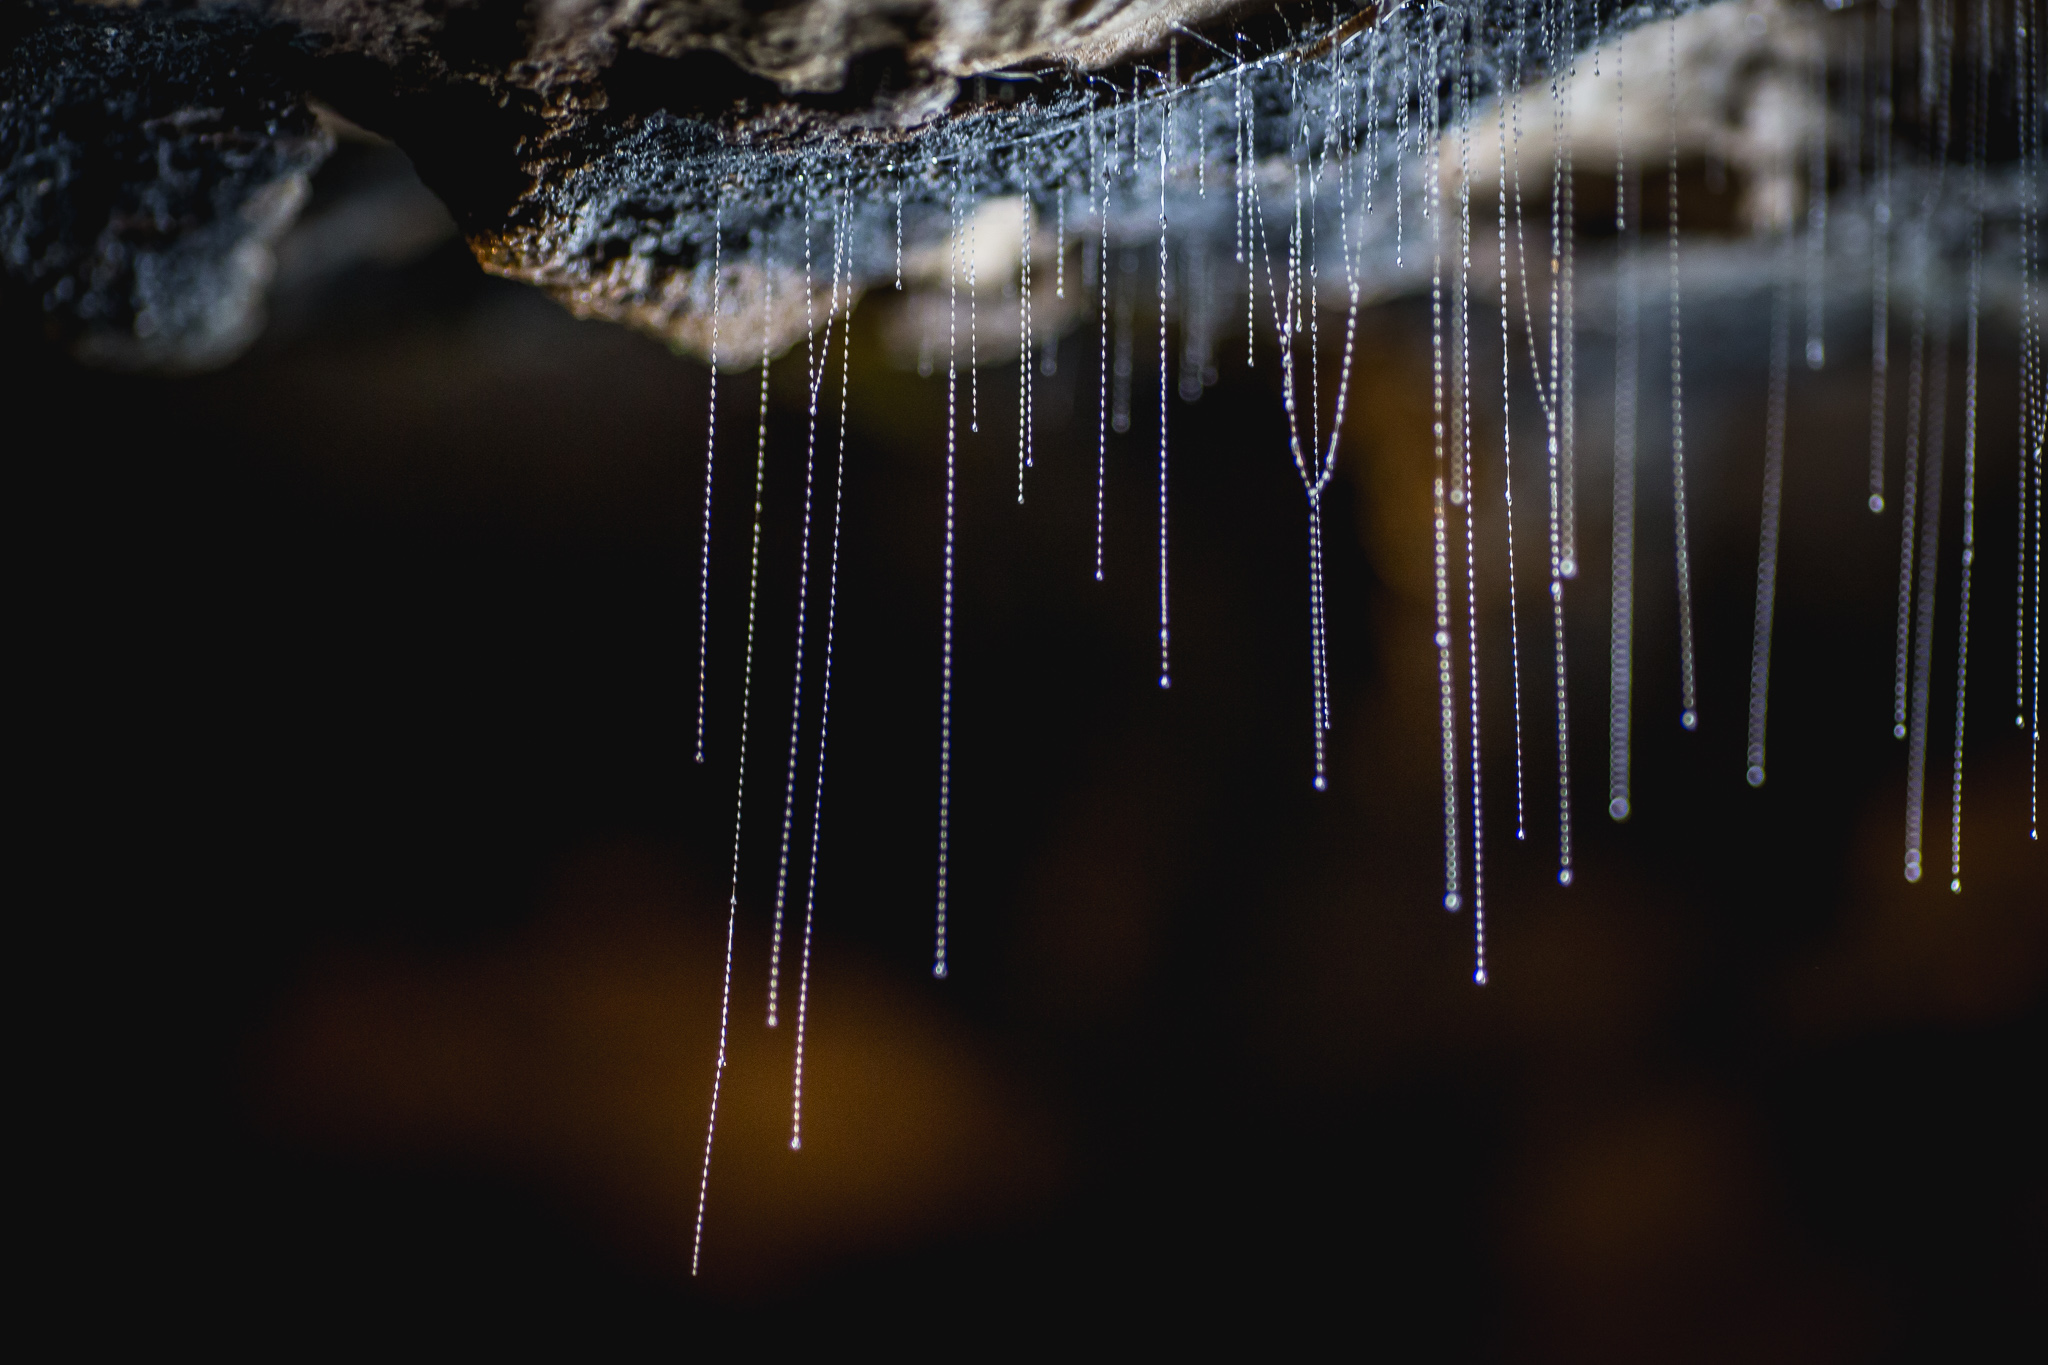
151, 155
610, 151
148, 163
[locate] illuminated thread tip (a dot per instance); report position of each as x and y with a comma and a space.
1690, 719
939, 970
1564, 877
1165, 681
1898, 732
1815, 356
1756, 775
1913, 865
1876, 503
1569, 568
1322, 785
1956, 886
1479, 977
771, 1021
796, 1144
1618, 808
1451, 901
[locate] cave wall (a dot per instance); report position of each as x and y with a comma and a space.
151, 154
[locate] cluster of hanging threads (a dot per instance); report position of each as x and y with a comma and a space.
1315, 462
816, 353
1426, 63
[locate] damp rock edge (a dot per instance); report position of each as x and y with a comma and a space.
583, 146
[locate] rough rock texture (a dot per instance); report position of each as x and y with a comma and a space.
148, 163
152, 152
591, 147
1750, 85
610, 150
809, 46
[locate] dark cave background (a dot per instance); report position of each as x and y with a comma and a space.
371, 658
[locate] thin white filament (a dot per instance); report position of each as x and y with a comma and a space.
1934, 94
1923, 644
1023, 348
1909, 507
1982, 94
1471, 498
973, 253
710, 459
1099, 189
1773, 498
1880, 258
1621, 620
946, 589
816, 356
1314, 462
1511, 98
1568, 384
2027, 589
1817, 212
1688, 695
1165, 655
803, 980
2034, 403
1447, 704
1559, 423
732, 907
1059, 260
